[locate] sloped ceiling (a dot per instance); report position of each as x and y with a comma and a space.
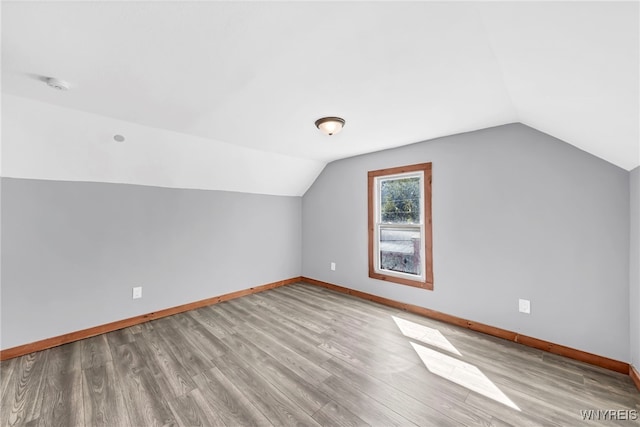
234, 81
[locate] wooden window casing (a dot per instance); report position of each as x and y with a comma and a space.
375, 226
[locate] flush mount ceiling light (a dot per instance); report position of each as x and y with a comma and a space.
57, 83
330, 125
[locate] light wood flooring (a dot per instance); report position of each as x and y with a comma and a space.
305, 355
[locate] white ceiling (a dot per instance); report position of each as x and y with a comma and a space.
258, 74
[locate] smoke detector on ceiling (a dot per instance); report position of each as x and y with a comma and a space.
57, 83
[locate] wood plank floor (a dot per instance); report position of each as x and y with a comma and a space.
304, 355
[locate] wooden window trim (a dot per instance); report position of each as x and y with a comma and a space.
428, 238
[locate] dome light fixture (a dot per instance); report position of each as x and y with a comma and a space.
57, 83
330, 125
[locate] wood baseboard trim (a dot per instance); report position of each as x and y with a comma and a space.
572, 353
635, 376
44, 344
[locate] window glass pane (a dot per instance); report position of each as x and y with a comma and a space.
400, 250
400, 201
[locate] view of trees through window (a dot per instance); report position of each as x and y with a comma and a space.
400, 204
400, 201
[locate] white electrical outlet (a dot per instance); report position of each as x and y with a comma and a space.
333, 266
524, 306
137, 292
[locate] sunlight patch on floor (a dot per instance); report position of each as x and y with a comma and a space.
461, 373
425, 334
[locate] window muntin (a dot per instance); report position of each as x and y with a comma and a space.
400, 225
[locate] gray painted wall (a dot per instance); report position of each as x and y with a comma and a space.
516, 214
72, 251
634, 267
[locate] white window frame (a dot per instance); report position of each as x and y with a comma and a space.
379, 225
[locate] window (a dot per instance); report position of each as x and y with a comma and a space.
400, 244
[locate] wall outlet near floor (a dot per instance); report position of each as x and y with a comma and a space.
137, 292
524, 306
333, 266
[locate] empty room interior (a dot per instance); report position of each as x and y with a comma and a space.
320, 213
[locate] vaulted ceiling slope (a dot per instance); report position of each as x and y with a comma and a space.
234, 81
